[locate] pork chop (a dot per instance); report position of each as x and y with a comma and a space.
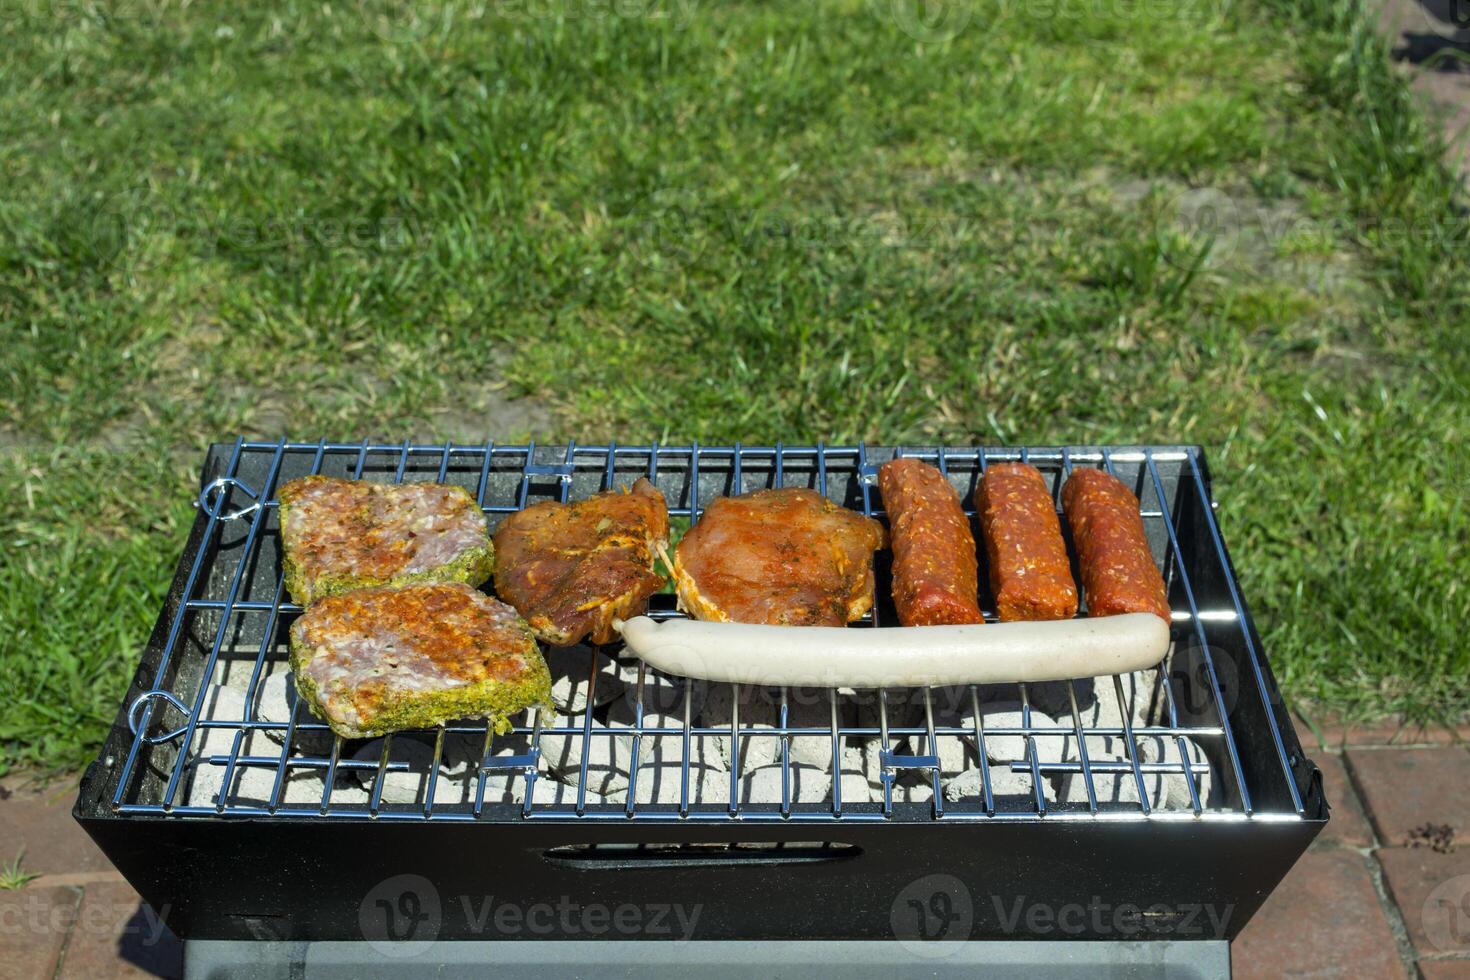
787, 556
571, 569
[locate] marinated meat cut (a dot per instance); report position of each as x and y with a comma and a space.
935, 576
339, 535
571, 569
1118, 570
381, 660
1029, 571
786, 556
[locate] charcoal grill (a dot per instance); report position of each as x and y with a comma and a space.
252, 830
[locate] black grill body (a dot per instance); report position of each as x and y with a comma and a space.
883, 869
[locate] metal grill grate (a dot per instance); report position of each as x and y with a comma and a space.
1160, 745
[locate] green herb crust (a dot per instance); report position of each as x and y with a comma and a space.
456, 653
472, 567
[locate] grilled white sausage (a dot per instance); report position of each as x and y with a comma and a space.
909, 656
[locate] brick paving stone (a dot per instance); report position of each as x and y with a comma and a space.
33, 925
1333, 733
1432, 891
40, 820
1405, 789
1445, 969
1348, 825
116, 935
1323, 921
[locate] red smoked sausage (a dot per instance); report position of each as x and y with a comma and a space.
935, 574
1118, 570
1029, 571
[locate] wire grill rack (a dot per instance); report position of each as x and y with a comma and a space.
1210, 710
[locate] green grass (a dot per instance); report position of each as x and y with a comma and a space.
1222, 223
13, 877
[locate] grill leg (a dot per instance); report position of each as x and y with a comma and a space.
247, 960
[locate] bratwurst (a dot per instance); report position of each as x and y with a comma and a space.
935, 578
1118, 570
1029, 571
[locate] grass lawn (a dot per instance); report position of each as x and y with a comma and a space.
1082, 220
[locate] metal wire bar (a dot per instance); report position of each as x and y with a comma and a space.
885, 773
586, 737
278, 783
931, 744
734, 749
704, 815
836, 735
376, 800
429, 792
331, 775
1129, 742
979, 719
1082, 747
531, 774
610, 467
785, 718
1031, 753
482, 773
212, 724
694, 483
229, 774
999, 453
637, 733
684, 769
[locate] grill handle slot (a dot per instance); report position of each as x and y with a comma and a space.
612, 857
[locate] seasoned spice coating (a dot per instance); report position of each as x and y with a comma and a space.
572, 568
1118, 570
383, 660
1029, 571
935, 575
339, 535
787, 556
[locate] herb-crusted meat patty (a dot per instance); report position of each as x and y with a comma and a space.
339, 535
572, 568
382, 660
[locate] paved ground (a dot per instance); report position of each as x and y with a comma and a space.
1436, 55
1385, 892
79, 918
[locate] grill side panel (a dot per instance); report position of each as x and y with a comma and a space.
296, 880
